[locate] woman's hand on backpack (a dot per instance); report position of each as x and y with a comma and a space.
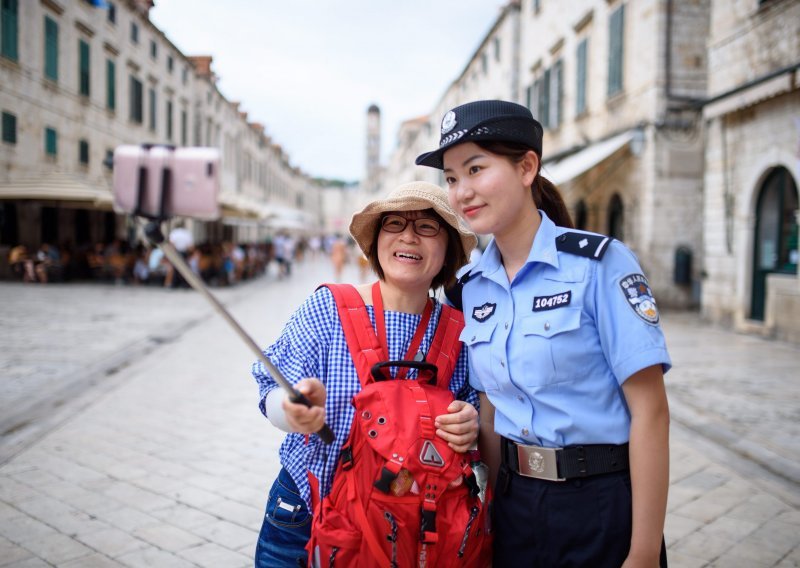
300, 417
459, 428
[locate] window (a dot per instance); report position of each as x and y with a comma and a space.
83, 152
537, 6
111, 85
616, 29
184, 127
108, 161
546, 94
50, 141
136, 102
556, 94
153, 49
8, 26
9, 128
170, 63
83, 68
185, 75
497, 49
112, 12
169, 120
542, 90
50, 49
580, 77
151, 95
134, 32
484, 63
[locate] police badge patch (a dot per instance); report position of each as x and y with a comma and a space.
484, 312
448, 122
640, 297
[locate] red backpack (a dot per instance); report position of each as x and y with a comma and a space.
400, 496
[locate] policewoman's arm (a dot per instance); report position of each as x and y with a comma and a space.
628, 323
649, 459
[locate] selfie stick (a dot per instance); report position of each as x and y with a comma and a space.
154, 235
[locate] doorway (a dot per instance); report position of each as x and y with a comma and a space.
775, 239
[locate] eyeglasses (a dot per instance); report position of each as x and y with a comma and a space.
424, 226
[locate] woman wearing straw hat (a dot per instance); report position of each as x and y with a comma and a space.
566, 352
415, 243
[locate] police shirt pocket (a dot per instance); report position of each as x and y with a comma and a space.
544, 331
478, 338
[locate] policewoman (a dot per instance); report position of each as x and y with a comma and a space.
566, 352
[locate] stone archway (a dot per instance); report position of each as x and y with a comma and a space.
775, 235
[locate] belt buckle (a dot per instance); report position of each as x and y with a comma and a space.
538, 462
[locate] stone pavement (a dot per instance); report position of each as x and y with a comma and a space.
167, 460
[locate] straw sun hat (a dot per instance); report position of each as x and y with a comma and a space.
414, 196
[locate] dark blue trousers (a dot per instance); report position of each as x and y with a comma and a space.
565, 524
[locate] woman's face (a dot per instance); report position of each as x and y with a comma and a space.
489, 191
408, 258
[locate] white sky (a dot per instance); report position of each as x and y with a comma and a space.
309, 69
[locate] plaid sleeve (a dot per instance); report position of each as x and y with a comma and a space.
297, 350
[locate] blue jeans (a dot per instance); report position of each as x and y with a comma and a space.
286, 528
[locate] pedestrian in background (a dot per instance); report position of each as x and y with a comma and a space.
566, 352
312, 353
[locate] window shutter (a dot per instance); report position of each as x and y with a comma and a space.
50, 49
616, 29
9, 17
580, 80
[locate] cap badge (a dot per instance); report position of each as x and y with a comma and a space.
448, 122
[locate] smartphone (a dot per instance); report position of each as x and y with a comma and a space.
161, 181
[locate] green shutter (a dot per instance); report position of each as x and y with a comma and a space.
50, 49
152, 101
544, 100
50, 141
9, 17
111, 85
580, 66
83, 68
616, 30
557, 94
9, 128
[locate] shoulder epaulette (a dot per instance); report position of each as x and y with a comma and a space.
583, 244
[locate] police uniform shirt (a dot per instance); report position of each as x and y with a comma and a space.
552, 349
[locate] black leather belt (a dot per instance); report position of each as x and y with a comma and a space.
560, 464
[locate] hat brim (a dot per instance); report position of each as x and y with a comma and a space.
414, 196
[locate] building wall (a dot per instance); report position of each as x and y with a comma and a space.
253, 169
752, 123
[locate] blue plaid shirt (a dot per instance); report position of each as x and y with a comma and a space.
313, 345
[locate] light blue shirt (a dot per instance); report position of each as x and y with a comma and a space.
552, 349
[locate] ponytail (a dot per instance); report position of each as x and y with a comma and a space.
546, 196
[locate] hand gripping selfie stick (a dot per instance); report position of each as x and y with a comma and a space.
155, 236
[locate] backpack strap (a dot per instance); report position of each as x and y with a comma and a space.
365, 349
445, 347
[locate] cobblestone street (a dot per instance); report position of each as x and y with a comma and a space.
132, 436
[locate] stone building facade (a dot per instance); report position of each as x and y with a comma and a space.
615, 84
76, 81
752, 167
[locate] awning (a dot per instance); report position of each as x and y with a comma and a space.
58, 187
754, 95
584, 160
287, 218
239, 207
